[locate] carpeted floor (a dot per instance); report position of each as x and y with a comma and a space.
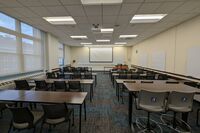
104, 114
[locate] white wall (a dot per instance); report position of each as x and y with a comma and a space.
81, 55
67, 55
52, 52
175, 42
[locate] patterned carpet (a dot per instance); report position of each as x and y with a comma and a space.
104, 114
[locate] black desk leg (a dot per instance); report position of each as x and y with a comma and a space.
91, 92
80, 114
130, 107
95, 80
185, 117
85, 109
117, 87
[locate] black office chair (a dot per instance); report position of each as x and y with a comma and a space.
23, 118
60, 85
74, 86
22, 85
76, 75
41, 85
88, 75
2, 108
162, 77
55, 114
122, 76
50, 75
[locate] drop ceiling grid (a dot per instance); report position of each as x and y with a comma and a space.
32, 12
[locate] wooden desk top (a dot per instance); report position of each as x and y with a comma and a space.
160, 87
121, 81
82, 81
43, 96
10, 95
70, 73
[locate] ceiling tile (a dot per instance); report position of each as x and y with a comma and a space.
148, 8
109, 19
50, 2
76, 10
168, 7
41, 11
80, 20
95, 19
128, 9
10, 3
57, 10
93, 10
30, 2
111, 9
70, 2
25, 12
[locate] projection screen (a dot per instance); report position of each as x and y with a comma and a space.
101, 55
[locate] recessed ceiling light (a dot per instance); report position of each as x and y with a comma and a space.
147, 18
104, 40
107, 30
121, 43
79, 37
128, 36
99, 2
86, 43
62, 20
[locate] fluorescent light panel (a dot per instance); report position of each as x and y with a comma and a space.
128, 36
103, 40
62, 20
147, 18
121, 43
99, 2
79, 37
107, 30
86, 43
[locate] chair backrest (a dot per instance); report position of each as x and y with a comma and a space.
152, 98
172, 82
148, 82
122, 76
60, 85
54, 111
162, 77
22, 85
41, 85
51, 75
135, 76
74, 85
150, 76
129, 81
76, 75
22, 115
88, 75
181, 99
193, 84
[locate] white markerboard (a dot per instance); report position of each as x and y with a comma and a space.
158, 60
101, 55
143, 60
193, 62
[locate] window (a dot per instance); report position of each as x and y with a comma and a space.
9, 55
7, 22
32, 55
26, 29
19, 53
61, 55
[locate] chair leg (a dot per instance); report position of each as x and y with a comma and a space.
41, 127
174, 120
10, 127
69, 126
148, 121
73, 118
197, 120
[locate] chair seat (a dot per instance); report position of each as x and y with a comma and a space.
150, 108
179, 109
55, 121
37, 116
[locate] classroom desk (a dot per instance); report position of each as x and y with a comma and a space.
82, 81
82, 74
107, 67
74, 98
157, 86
